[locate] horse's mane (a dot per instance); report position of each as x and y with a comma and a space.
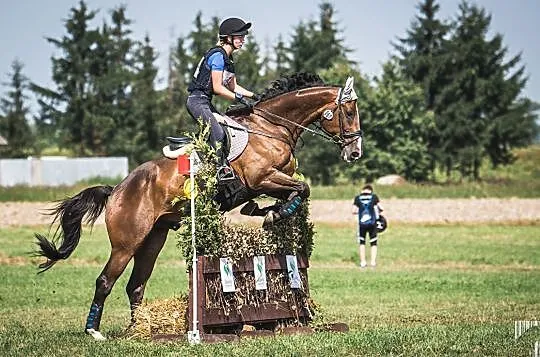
291, 83
285, 84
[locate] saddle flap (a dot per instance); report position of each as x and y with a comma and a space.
237, 137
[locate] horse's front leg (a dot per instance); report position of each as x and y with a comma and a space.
251, 208
283, 186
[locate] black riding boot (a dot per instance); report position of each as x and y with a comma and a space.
224, 171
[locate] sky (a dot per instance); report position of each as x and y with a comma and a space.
368, 27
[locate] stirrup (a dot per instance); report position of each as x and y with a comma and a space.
225, 173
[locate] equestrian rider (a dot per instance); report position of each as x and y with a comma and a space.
215, 74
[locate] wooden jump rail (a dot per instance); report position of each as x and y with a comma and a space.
267, 312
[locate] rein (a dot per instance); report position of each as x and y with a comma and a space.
320, 133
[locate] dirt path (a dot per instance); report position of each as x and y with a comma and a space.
396, 210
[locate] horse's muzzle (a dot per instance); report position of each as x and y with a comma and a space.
351, 155
353, 151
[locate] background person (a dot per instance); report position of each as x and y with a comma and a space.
367, 206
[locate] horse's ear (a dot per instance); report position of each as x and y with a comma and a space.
349, 83
348, 91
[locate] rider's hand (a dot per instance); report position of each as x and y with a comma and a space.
256, 97
243, 100
248, 103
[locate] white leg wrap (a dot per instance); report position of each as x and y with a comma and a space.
95, 334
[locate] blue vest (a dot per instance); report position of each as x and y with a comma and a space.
202, 78
366, 209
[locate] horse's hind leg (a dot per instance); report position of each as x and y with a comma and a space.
144, 261
126, 235
116, 264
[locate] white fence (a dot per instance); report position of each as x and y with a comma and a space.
58, 170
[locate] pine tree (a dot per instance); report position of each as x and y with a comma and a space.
468, 85
67, 107
331, 46
14, 126
147, 110
316, 45
116, 104
511, 120
282, 59
516, 126
178, 120
423, 58
202, 38
420, 51
481, 99
179, 76
301, 48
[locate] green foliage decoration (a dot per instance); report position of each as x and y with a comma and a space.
215, 238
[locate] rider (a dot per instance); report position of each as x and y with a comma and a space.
215, 75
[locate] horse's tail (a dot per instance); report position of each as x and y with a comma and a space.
70, 213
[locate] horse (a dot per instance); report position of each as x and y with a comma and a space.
139, 211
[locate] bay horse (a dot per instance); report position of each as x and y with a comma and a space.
139, 210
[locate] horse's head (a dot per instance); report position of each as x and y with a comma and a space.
341, 121
302, 99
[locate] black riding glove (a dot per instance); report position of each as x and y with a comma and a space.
256, 97
239, 97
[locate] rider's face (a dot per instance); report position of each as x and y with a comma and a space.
238, 41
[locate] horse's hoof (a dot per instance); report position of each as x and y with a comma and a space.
270, 218
95, 334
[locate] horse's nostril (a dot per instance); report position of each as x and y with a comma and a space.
355, 154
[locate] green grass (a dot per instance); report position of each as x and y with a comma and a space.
437, 290
44, 193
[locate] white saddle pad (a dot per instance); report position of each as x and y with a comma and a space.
238, 137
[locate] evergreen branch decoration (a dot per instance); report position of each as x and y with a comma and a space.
214, 238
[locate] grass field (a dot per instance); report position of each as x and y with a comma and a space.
438, 290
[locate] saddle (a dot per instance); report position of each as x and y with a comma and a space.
236, 139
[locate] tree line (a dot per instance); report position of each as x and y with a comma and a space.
449, 97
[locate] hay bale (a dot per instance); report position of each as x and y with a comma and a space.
391, 180
167, 316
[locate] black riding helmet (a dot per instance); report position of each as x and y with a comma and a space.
233, 26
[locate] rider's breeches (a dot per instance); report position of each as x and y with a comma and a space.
199, 106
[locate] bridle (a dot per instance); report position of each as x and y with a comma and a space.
342, 139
